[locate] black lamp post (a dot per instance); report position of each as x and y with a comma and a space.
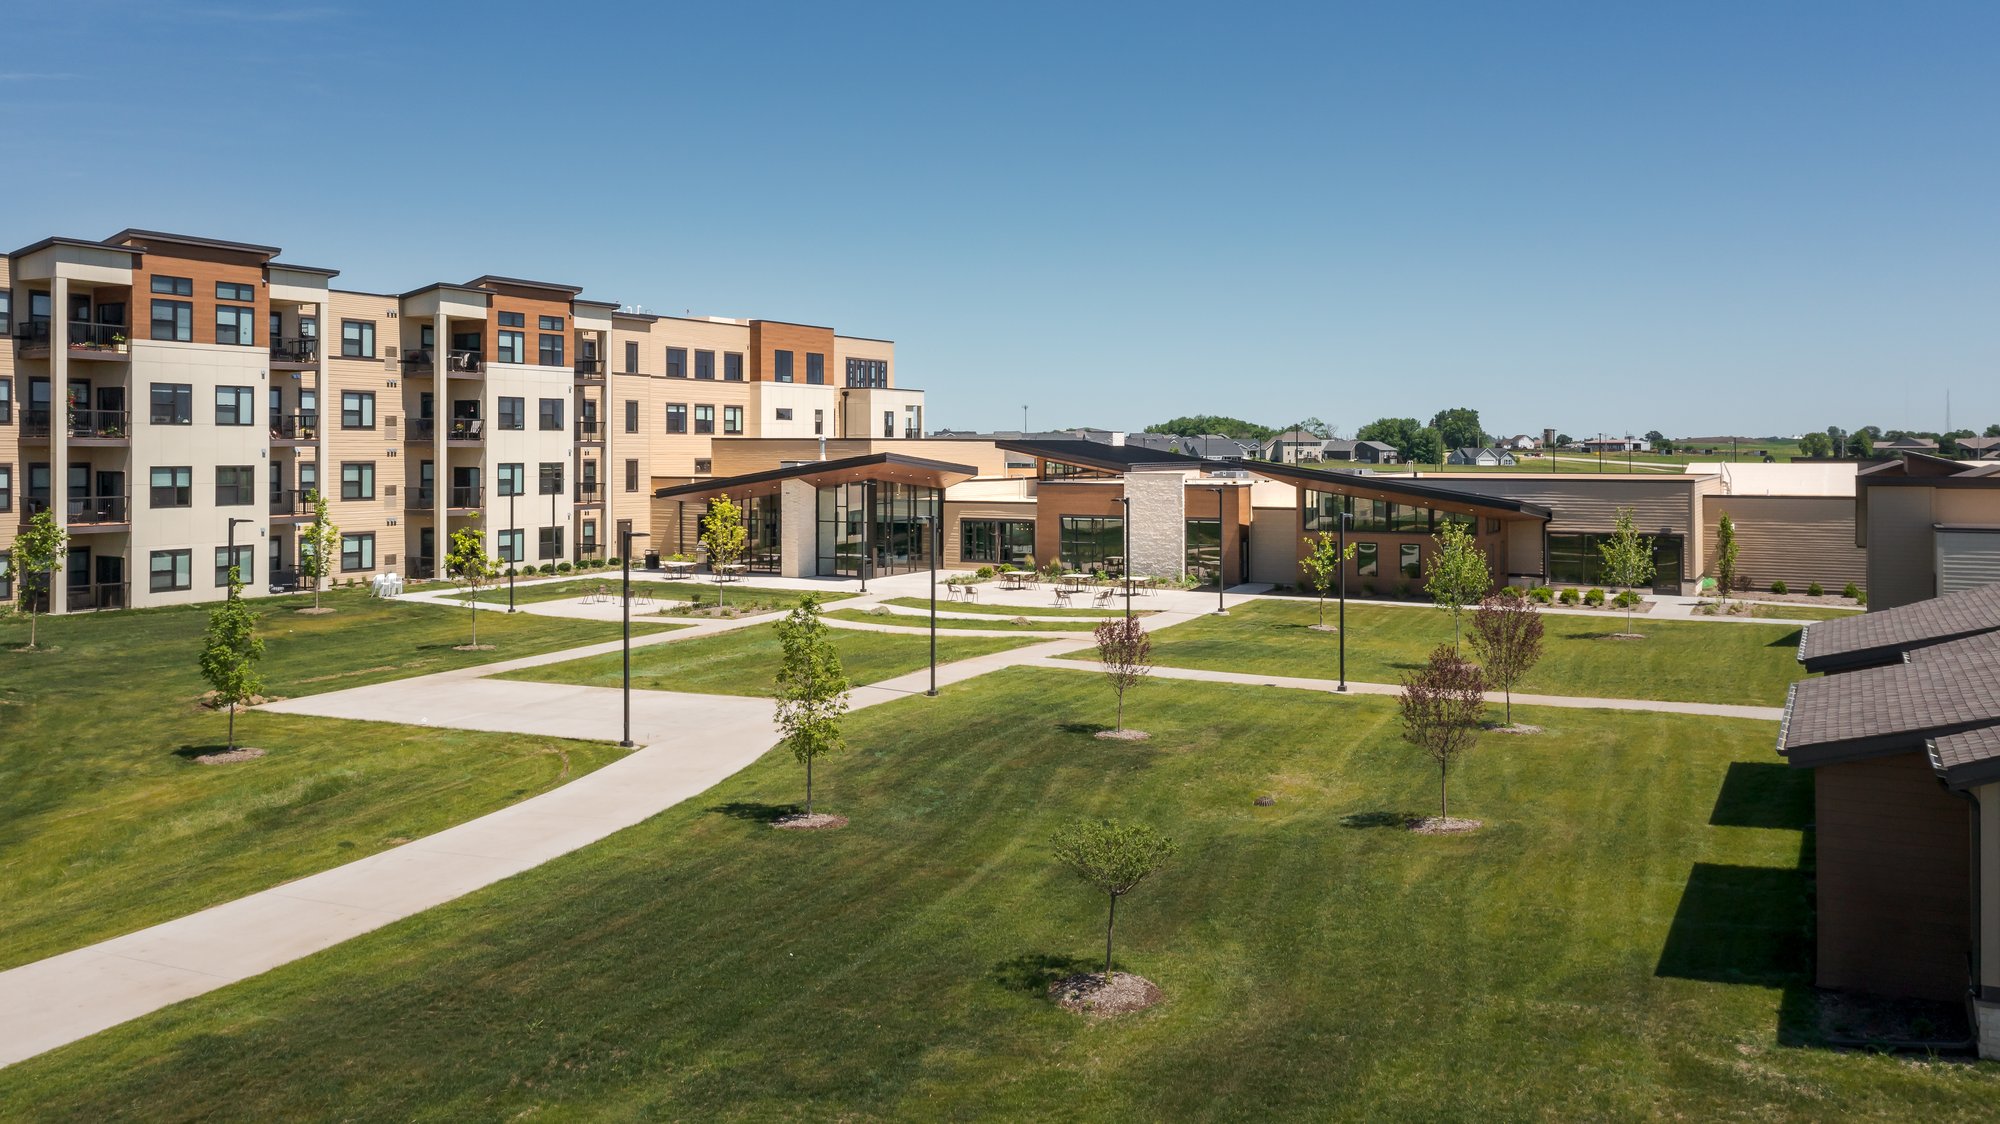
1221, 548
867, 521
1345, 515
935, 530
625, 562
513, 542
232, 539
1126, 527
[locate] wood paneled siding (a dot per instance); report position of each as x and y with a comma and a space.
205, 268
1794, 539
770, 336
1894, 900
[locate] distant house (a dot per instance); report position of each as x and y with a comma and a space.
1484, 457
1295, 446
1980, 448
1362, 452
1521, 443
1614, 445
1208, 446
1906, 445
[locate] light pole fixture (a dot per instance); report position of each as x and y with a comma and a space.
935, 530
1125, 525
625, 562
867, 521
1345, 515
1221, 547
513, 542
232, 539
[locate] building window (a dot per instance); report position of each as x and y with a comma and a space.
703, 466
868, 373
732, 419
1410, 561
6, 311
173, 403
513, 320
357, 409
677, 418
231, 291
357, 339
507, 545
551, 353
1201, 549
548, 542
173, 320
631, 475
815, 368
6, 487
781, 366
704, 364
677, 362
732, 366
172, 487
511, 479
357, 552
1087, 541
551, 478
235, 324
552, 413
235, 485
631, 415
245, 562
996, 540
819, 423
1364, 560
549, 323
631, 357
704, 419
234, 405
172, 569
513, 413
357, 480
512, 347
174, 286
888, 423
783, 413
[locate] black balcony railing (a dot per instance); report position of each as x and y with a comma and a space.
423, 429
35, 422
33, 333
93, 511
912, 433
590, 493
455, 362
296, 427
466, 429
590, 368
297, 349
284, 581
99, 595
587, 429
83, 335
291, 501
420, 496
100, 423
464, 497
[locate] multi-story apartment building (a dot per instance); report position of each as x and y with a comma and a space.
174, 397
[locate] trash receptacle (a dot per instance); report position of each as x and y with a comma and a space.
652, 560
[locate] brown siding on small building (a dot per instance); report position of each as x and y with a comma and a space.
1894, 900
1056, 499
768, 336
1795, 539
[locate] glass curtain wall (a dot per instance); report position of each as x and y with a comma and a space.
897, 532
1204, 549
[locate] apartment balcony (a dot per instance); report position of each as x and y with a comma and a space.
100, 595
295, 429
87, 514
294, 354
420, 498
33, 338
291, 505
85, 427
589, 431
589, 372
590, 495
912, 433
464, 432
462, 500
457, 364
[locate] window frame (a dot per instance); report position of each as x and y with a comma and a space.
510, 347
364, 551
242, 411
172, 287
181, 404
179, 321
815, 368
236, 292
238, 321
362, 333
511, 320
179, 571
677, 362
510, 483
515, 418
362, 481
363, 409
781, 364
549, 421
677, 417
244, 490
732, 366
732, 421
246, 561
179, 487
548, 543
549, 349
704, 365
704, 424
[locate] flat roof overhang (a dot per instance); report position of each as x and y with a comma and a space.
1351, 482
1104, 458
879, 467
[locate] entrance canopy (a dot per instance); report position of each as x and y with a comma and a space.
880, 467
1398, 489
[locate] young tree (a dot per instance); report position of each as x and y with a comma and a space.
230, 651
1457, 575
1322, 564
1113, 857
319, 547
812, 688
1126, 653
1726, 551
722, 532
1507, 634
38, 553
471, 569
1628, 558
1441, 706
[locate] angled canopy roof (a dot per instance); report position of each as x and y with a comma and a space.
1335, 480
1873, 639
847, 470
1098, 455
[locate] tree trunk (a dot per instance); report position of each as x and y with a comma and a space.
1120, 724
1322, 610
32, 615
809, 786
231, 747
1444, 792
475, 617
1109, 923
1508, 690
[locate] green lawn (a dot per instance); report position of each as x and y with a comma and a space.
107, 826
1803, 612
1016, 610
748, 598
1689, 661
743, 661
1626, 939
991, 623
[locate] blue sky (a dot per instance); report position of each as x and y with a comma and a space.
1751, 218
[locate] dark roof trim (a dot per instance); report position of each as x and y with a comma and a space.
813, 468
486, 293
60, 240
190, 240
1096, 454
1399, 485
648, 317
863, 339
613, 305
523, 283
793, 324
1961, 777
302, 268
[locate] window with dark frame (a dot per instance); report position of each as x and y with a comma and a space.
233, 291
235, 324
732, 419
513, 319
511, 480
246, 566
1409, 559
631, 475
996, 540
357, 551
819, 422
1365, 560
631, 415
631, 357
549, 542
815, 368
550, 353
888, 423
235, 485
703, 466
677, 418
782, 413
507, 545
357, 480
174, 286
6, 487
704, 419
512, 347
551, 478
235, 405
6, 311
677, 362
171, 570
704, 364
173, 486
552, 413
781, 365
173, 320
732, 366
173, 403
357, 339
513, 413
357, 409
549, 323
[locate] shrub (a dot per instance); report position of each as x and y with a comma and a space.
1626, 599
984, 572
1541, 594
1568, 597
614, 561
1852, 592
1780, 587
563, 567
1004, 568
1402, 589
1860, 597
1816, 590
1593, 597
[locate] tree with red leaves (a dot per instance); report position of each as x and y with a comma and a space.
1507, 634
1441, 704
1126, 654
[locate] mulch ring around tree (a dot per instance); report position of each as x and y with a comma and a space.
230, 757
1516, 728
818, 821
1087, 993
1628, 636
207, 702
472, 647
1122, 735
312, 612
1443, 825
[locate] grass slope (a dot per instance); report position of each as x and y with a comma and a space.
743, 661
1627, 939
1688, 661
107, 826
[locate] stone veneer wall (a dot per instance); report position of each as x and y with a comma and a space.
798, 529
1159, 522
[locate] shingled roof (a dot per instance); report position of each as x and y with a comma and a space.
1943, 689
1874, 639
